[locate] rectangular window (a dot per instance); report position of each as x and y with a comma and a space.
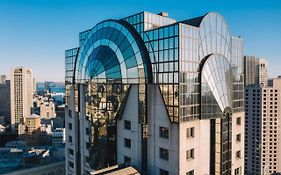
70, 126
190, 172
164, 154
71, 164
127, 124
190, 154
70, 151
238, 120
238, 138
238, 154
164, 132
163, 172
237, 171
69, 113
127, 143
70, 139
190, 132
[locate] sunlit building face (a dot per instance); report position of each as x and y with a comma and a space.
149, 91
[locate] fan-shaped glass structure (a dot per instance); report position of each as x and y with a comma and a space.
112, 50
216, 86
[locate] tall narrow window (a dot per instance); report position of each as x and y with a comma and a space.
190, 132
164, 132
127, 124
164, 154
190, 154
238, 120
127, 143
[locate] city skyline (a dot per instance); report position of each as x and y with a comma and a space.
35, 34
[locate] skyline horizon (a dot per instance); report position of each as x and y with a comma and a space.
42, 24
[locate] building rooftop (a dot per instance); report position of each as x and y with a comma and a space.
33, 116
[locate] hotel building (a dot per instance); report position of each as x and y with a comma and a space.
21, 95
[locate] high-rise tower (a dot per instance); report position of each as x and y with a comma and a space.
161, 95
21, 94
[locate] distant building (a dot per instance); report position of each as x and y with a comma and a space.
262, 119
30, 129
5, 100
255, 71
21, 94
58, 137
58, 98
2, 79
47, 109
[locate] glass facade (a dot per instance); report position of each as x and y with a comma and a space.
195, 63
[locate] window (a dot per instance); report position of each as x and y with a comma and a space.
163, 172
238, 154
238, 138
127, 160
238, 120
127, 124
190, 154
70, 151
70, 126
164, 154
190, 132
87, 131
69, 113
190, 172
127, 143
70, 139
164, 132
237, 171
71, 164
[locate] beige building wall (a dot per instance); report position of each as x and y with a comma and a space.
263, 119
47, 110
32, 123
271, 128
21, 94
238, 123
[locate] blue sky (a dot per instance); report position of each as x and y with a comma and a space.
35, 33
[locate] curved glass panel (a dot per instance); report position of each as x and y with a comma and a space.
106, 42
110, 59
216, 87
214, 37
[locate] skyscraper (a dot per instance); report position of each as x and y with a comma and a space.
161, 95
5, 107
255, 71
262, 119
21, 94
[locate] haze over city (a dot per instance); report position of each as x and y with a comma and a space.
35, 33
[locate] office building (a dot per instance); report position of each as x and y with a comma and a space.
255, 71
262, 128
47, 109
21, 94
5, 106
2, 79
163, 96
58, 137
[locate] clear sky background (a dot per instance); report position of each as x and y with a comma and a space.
35, 33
